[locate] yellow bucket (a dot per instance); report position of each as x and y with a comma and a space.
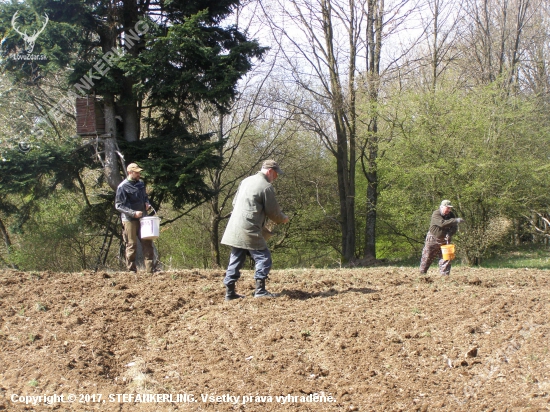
448, 252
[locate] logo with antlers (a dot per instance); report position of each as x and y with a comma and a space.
29, 40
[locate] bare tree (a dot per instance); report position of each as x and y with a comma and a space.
331, 51
540, 222
382, 20
535, 70
319, 44
369, 149
496, 37
250, 133
441, 30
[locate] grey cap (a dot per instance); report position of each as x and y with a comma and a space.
272, 164
446, 203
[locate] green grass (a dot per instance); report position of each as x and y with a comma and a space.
528, 256
525, 257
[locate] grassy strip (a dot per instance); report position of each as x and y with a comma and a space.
522, 257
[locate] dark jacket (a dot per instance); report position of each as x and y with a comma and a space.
441, 226
131, 198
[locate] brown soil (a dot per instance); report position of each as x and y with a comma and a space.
335, 340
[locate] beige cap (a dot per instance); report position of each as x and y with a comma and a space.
133, 167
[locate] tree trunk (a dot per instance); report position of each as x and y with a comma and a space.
345, 157
352, 131
369, 155
129, 106
130, 115
435, 56
110, 168
216, 217
111, 171
215, 241
372, 202
7, 241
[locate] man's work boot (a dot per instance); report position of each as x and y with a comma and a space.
260, 290
149, 266
230, 293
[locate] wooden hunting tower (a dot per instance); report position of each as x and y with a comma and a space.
90, 116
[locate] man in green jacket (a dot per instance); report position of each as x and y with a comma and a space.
253, 204
443, 226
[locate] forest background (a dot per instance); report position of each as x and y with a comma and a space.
376, 110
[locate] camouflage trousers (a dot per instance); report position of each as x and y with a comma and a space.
431, 251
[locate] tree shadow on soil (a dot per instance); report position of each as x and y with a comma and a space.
301, 295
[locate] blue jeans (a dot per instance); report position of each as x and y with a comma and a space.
262, 260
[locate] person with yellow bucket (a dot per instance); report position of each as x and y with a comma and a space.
443, 226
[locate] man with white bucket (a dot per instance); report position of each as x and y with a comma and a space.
443, 226
132, 202
246, 232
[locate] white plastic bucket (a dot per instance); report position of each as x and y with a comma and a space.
150, 227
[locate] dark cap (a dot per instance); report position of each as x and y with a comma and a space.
446, 203
272, 164
133, 167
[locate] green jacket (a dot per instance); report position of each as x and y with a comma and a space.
254, 202
441, 226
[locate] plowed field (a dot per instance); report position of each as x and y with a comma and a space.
334, 340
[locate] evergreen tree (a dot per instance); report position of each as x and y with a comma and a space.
150, 62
